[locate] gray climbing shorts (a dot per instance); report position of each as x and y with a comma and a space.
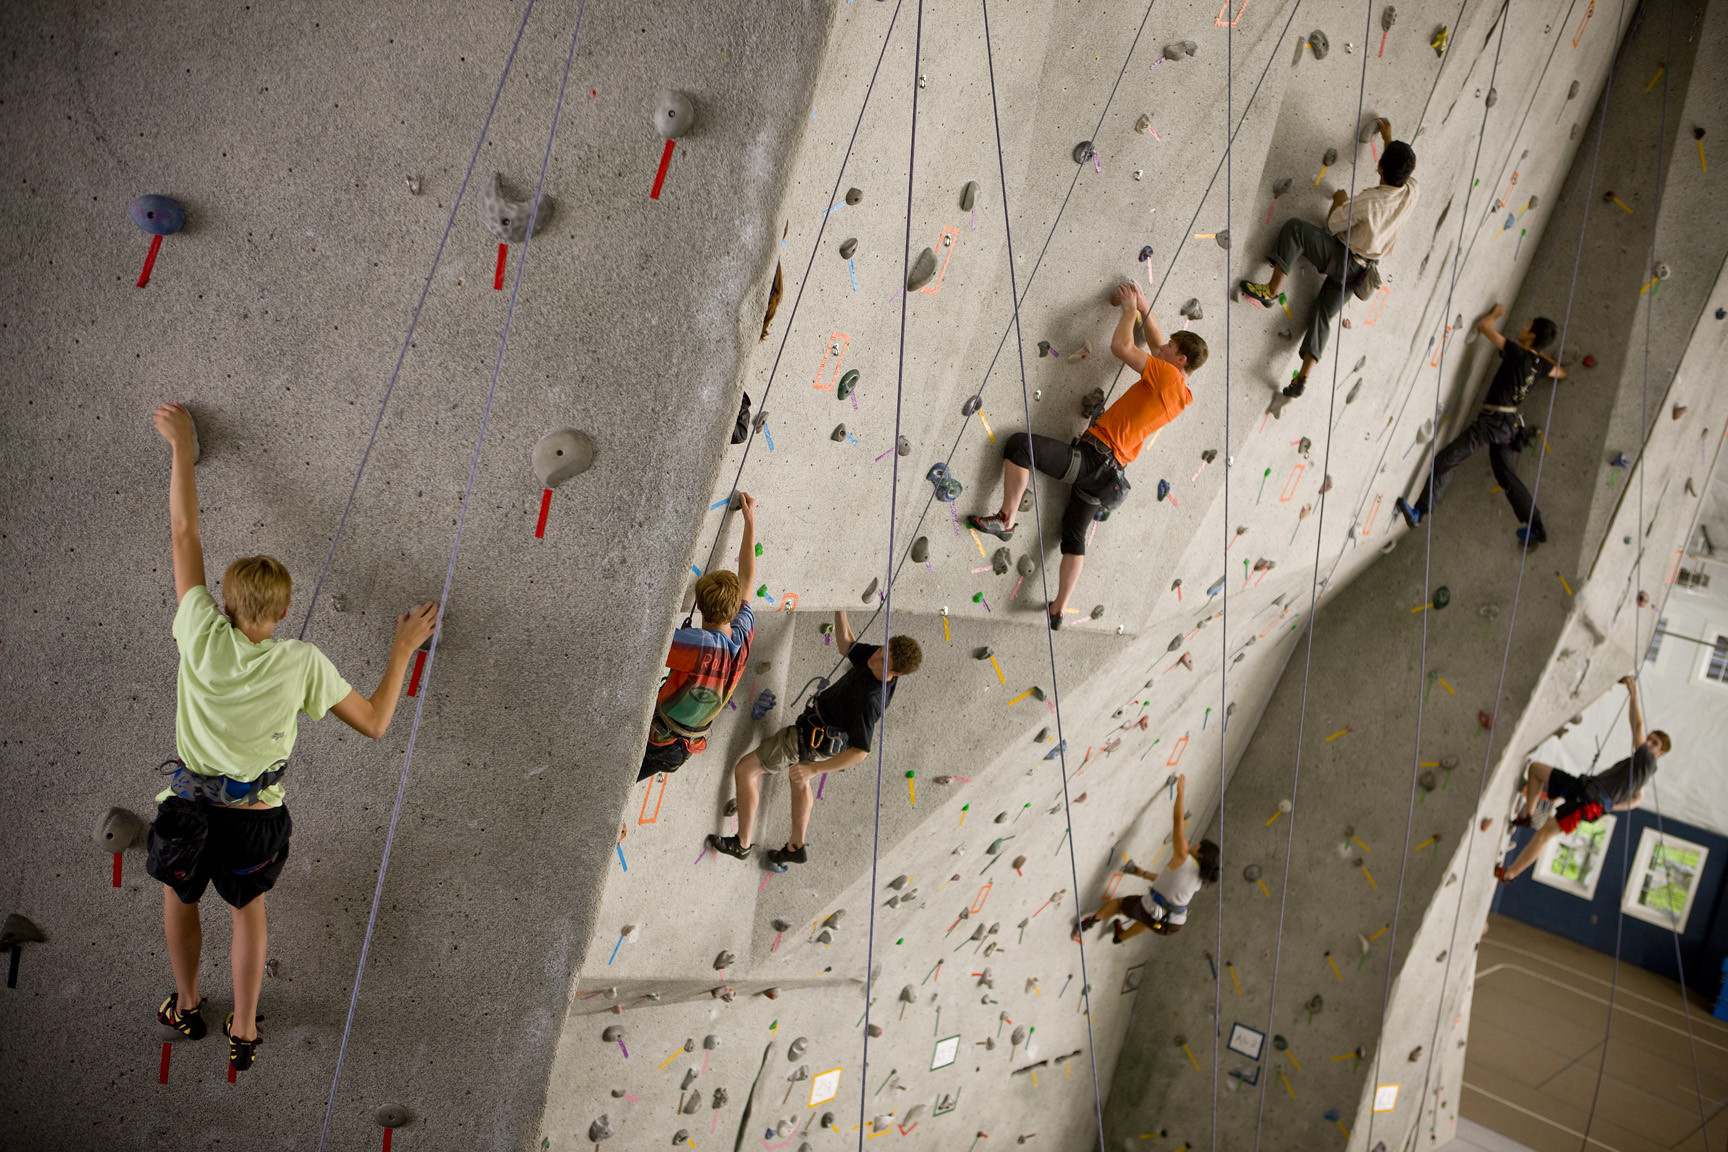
780, 751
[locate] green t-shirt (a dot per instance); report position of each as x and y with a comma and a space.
239, 702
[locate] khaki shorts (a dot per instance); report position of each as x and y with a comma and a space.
780, 751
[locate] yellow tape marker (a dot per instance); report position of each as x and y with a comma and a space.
1564, 585
946, 636
1342, 731
1655, 78
1021, 697
670, 1058
998, 668
1622, 204
1293, 1059
1426, 842
1370, 876
1286, 1080
987, 431
1191, 1059
1377, 935
1264, 889
1361, 845
978, 542
1233, 979
1334, 964
1445, 685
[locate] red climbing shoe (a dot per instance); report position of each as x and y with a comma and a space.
1500, 874
992, 524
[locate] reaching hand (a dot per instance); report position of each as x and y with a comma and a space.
1497, 311
1630, 681
413, 627
747, 506
174, 424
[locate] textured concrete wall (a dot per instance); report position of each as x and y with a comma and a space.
498, 959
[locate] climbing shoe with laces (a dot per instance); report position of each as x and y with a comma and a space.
1260, 295
1296, 387
992, 525
730, 846
789, 855
1412, 514
241, 1053
189, 1023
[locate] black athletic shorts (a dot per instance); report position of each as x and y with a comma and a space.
241, 850
1134, 907
1577, 799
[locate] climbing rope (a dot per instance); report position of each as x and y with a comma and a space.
1313, 613
414, 320
449, 571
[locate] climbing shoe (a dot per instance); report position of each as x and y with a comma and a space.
1085, 925
730, 846
1500, 874
1055, 619
1412, 514
189, 1023
1296, 387
1116, 932
992, 525
1260, 295
1530, 542
241, 1053
789, 855
1520, 821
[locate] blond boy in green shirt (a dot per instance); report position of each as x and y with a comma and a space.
240, 692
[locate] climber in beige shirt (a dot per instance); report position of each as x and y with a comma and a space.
1359, 231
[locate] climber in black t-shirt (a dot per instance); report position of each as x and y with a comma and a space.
1498, 426
1581, 799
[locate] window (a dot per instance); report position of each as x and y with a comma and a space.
1687, 578
1664, 879
1716, 664
1656, 641
1573, 862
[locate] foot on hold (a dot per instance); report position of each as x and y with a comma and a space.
1296, 386
1260, 295
1520, 821
240, 1052
1116, 932
789, 855
1530, 541
1055, 621
992, 525
1412, 514
1500, 874
189, 1023
730, 846
1085, 925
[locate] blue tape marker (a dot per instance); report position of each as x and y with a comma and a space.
767, 435
852, 269
838, 206
719, 503
615, 948
695, 569
620, 848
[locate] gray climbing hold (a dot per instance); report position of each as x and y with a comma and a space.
920, 549
870, 591
848, 382
1083, 152
1572, 90
689, 1079
1175, 643
712, 1041
1388, 18
983, 653
1140, 125
903, 447
613, 1033
1223, 239
923, 270
847, 247
1370, 129
119, 830
724, 960
1318, 42
1251, 873
1192, 309
1427, 781
674, 114
719, 1098
972, 405
1533, 201
1097, 611
1043, 735
1043, 348
600, 1129
562, 454
899, 882
797, 1048
1492, 98
1281, 186
909, 995
1001, 818
693, 1103
839, 434
1018, 1036
853, 195
995, 846
1173, 51
680, 1137
1038, 694
1329, 157
1000, 561
968, 195
390, 1115
507, 219
1026, 566
833, 918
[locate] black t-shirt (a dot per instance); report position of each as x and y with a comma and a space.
854, 702
1627, 778
1519, 370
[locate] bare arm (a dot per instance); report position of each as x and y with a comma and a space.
371, 715
844, 760
1635, 708
747, 548
1486, 326
843, 631
1630, 802
174, 424
1122, 344
1178, 834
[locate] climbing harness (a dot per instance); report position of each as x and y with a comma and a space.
220, 791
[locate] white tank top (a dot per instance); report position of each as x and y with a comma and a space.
1178, 885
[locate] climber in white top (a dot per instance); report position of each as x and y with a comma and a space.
1172, 889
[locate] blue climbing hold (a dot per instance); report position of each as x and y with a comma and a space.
1163, 489
1145, 253
158, 215
947, 488
1216, 588
1619, 461
1056, 751
764, 704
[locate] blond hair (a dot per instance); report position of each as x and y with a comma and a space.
718, 597
256, 589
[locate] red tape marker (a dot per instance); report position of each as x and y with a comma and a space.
116, 869
419, 666
230, 1071
150, 260
545, 507
498, 276
162, 1074
387, 1132
660, 176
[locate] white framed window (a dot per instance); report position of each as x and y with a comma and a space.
1664, 879
1655, 648
1573, 862
1715, 663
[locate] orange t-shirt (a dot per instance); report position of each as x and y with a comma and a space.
1155, 399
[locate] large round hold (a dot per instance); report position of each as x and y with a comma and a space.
674, 114
390, 1115
158, 215
1442, 597
562, 454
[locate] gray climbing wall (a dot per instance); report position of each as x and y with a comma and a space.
536, 895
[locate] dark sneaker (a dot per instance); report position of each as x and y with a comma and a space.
789, 855
1500, 874
1260, 295
1116, 932
1055, 619
1085, 925
189, 1023
241, 1053
992, 525
1296, 387
1412, 515
730, 846
1520, 821
1530, 542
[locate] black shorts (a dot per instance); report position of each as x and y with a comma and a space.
1135, 909
241, 850
1093, 469
1576, 800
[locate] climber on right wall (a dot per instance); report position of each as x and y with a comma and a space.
1359, 232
